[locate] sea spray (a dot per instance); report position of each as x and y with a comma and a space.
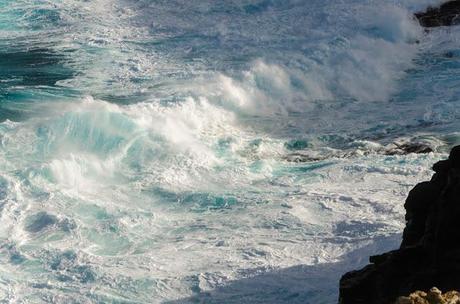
218, 152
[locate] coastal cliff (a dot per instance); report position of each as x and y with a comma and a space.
430, 250
429, 254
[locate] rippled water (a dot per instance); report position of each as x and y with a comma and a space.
211, 151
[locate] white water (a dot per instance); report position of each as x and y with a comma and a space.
166, 168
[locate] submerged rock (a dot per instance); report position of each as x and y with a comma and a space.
445, 15
430, 251
303, 155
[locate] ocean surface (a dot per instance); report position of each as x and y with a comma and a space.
212, 151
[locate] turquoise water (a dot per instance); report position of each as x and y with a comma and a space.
211, 151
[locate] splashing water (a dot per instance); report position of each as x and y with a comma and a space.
211, 151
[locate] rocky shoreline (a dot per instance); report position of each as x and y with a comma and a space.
430, 251
446, 15
433, 296
429, 254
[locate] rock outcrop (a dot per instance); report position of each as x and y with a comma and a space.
407, 148
445, 15
430, 251
434, 296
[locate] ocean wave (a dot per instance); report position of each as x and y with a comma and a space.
152, 151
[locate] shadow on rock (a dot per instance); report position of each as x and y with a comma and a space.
430, 252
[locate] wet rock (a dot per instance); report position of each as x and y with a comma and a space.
446, 15
407, 148
430, 252
300, 151
303, 158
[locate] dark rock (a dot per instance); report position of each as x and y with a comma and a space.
446, 15
430, 250
454, 157
418, 205
303, 158
301, 154
409, 147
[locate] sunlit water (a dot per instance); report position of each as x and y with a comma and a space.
211, 151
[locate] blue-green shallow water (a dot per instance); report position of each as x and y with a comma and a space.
211, 151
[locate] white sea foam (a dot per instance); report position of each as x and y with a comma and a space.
234, 152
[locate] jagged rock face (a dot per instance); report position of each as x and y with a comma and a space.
446, 15
430, 251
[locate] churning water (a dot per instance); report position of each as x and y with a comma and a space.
211, 151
